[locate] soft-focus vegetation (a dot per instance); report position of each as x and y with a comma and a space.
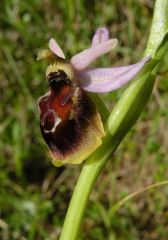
34, 195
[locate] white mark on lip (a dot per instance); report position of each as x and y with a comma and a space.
50, 121
57, 122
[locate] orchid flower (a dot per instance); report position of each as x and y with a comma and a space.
70, 122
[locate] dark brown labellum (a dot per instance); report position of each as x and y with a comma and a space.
70, 123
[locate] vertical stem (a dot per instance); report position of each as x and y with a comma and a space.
95, 164
86, 181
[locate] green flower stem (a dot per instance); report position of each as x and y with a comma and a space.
87, 178
119, 123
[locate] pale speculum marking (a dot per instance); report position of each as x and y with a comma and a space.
50, 120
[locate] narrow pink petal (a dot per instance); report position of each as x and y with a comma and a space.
83, 59
109, 79
54, 47
100, 36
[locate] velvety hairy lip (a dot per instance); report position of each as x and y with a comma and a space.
72, 139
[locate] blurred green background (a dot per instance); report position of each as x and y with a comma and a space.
34, 195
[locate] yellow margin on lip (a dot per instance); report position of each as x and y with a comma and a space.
93, 136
